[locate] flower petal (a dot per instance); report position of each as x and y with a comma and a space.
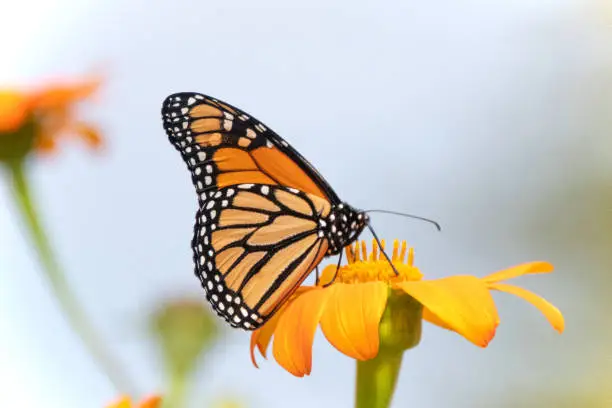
124, 402
13, 110
90, 134
62, 95
296, 329
327, 275
519, 270
552, 314
433, 319
351, 318
262, 336
462, 304
151, 402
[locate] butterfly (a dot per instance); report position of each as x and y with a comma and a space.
266, 216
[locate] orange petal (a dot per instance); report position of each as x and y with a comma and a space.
552, 314
351, 318
262, 336
462, 304
89, 134
151, 402
62, 95
433, 319
327, 275
13, 110
296, 329
519, 270
124, 402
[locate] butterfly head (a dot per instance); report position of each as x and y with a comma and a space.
343, 226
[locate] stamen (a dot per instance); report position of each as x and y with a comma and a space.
395, 248
403, 252
364, 267
350, 257
381, 256
374, 254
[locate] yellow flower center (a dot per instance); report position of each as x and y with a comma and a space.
364, 267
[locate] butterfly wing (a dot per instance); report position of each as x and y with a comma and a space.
253, 245
259, 230
224, 146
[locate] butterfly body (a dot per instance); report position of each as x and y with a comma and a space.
266, 217
342, 227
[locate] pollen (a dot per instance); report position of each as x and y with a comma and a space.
374, 266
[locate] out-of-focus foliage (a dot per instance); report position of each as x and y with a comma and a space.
228, 403
185, 329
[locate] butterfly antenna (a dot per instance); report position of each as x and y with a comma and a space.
407, 216
382, 249
317, 275
337, 269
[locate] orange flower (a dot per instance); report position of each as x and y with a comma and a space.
13, 110
126, 402
52, 110
350, 309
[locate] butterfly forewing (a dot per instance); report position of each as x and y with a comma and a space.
224, 146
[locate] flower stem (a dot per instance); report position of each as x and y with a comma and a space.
376, 379
177, 393
66, 298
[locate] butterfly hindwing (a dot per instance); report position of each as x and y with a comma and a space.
253, 245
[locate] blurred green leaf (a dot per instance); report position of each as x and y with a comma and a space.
184, 329
228, 403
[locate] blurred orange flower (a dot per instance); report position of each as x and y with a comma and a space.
52, 109
126, 402
350, 309
13, 110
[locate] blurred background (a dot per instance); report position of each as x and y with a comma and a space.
492, 118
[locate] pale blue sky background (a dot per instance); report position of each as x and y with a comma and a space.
473, 113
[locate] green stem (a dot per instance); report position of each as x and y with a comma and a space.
177, 393
67, 300
376, 380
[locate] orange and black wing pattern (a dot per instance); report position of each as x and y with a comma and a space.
266, 217
224, 146
253, 245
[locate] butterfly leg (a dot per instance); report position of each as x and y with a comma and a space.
317, 275
337, 269
383, 251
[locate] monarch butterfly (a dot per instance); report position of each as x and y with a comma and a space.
266, 216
